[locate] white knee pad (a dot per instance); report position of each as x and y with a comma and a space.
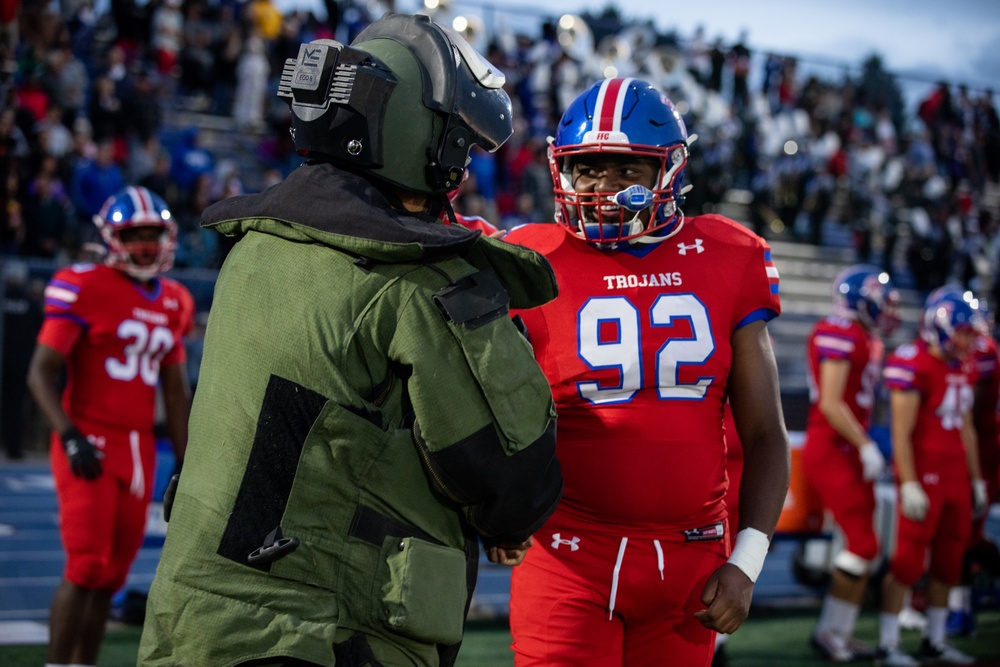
852, 564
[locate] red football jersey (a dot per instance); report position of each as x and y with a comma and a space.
838, 338
476, 223
115, 336
945, 396
637, 351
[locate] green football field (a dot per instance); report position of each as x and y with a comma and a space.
769, 639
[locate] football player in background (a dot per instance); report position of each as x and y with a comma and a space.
658, 321
117, 329
839, 458
986, 360
937, 470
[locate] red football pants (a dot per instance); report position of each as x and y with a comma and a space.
944, 531
834, 471
588, 599
102, 521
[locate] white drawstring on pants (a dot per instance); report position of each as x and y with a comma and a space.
618, 567
614, 578
138, 486
659, 557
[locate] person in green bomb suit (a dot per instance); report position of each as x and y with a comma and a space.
366, 411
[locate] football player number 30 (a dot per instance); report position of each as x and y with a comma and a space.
624, 353
146, 346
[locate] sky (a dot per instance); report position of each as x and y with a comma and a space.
923, 40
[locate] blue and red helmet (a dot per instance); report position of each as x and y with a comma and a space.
946, 314
620, 116
865, 293
132, 208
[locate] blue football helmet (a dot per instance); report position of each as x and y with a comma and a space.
946, 313
865, 293
128, 209
617, 116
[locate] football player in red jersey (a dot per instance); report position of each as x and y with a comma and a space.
840, 460
937, 469
117, 330
659, 320
986, 360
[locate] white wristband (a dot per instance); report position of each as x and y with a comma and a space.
749, 552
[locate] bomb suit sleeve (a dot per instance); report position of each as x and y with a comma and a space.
483, 412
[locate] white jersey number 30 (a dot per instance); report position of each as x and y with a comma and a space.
143, 352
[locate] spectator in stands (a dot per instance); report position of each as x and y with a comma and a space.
189, 160
251, 98
227, 47
168, 37
840, 460
197, 65
739, 64
68, 80
988, 136
11, 212
930, 255
107, 116
697, 56
718, 60
937, 470
93, 182
264, 18
536, 180
143, 106
22, 317
161, 182
53, 137
47, 213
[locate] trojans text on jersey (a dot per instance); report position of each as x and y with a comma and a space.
672, 279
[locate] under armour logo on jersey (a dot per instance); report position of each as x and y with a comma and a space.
573, 544
696, 246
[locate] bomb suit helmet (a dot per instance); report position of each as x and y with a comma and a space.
405, 103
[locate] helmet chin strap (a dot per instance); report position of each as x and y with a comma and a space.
658, 238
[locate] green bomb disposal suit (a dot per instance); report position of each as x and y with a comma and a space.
365, 410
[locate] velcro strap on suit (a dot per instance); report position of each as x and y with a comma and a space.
474, 300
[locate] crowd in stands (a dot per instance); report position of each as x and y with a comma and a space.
87, 97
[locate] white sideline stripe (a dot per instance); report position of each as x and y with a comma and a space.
23, 632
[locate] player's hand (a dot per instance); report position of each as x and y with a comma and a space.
508, 555
84, 457
727, 596
980, 498
914, 501
872, 461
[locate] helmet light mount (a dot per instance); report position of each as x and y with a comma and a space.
338, 96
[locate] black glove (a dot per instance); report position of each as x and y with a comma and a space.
84, 458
